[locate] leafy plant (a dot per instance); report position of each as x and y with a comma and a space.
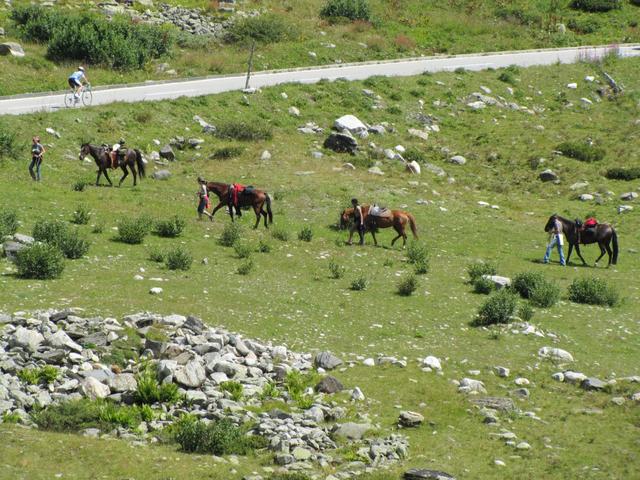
224, 153
263, 247
545, 294
266, 28
133, 230
171, 227
336, 270
408, 285
280, 234
296, 384
41, 261
73, 246
270, 390
178, 258
8, 223
349, 9
359, 283
81, 215
499, 308
157, 255
245, 131
596, 5
234, 388
526, 282
526, 312
245, 267
149, 391
220, 437
593, 291
11, 417
583, 151
627, 174
230, 235
9, 147
80, 185
478, 269
306, 234
483, 285
243, 250
418, 255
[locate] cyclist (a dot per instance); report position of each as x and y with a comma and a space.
76, 81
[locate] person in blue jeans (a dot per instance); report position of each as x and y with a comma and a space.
555, 240
37, 151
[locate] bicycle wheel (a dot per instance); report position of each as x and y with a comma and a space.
87, 97
68, 100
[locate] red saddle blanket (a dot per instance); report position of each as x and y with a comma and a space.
237, 189
590, 222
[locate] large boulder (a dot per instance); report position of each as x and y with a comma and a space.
350, 123
27, 339
327, 360
410, 419
556, 354
548, 176
329, 384
341, 143
351, 431
161, 175
167, 152
192, 375
11, 48
11, 249
123, 382
92, 388
61, 340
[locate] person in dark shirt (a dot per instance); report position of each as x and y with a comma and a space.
37, 151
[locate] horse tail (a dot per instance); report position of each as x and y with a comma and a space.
269, 212
614, 241
140, 163
412, 224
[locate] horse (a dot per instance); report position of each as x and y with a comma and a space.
398, 221
603, 234
257, 199
100, 154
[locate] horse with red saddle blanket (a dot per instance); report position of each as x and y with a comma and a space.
236, 196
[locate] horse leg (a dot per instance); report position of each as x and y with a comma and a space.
373, 234
126, 172
579, 254
609, 252
569, 253
351, 232
602, 252
256, 210
216, 208
106, 175
98, 177
135, 174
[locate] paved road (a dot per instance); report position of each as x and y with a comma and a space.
356, 71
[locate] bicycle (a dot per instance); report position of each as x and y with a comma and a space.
86, 96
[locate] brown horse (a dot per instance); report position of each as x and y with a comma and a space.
398, 221
603, 234
100, 154
257, 199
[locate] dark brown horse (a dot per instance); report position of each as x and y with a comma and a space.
257, 199
603, 234
398, 220
100, 154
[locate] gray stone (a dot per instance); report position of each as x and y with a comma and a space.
574, 377
419, 133
350, 123
426, 474
284, 459
191, 375
375, 171
498, 282
586, 197
93, 388
327, 360
579, 185
555, 354
122, 382
341, 143
410, 419
61, 339
27, 339
161, 175
629, 196
432, 362
436, 170
548, 175
351, 430
330, 385
11, 249
501, 404
469, 385
167, 153
301, 454
11, 48
458, 160
592, 383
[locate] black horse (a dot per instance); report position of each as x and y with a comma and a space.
603, 234
131, 159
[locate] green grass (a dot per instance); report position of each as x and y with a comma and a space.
290, 297
399, 28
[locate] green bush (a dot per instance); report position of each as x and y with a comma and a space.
478, 269
583, 26
360, 283
418, 255
81, 215
593, 291
97, 228
526, 312
263, 247
11, 417
88, 37
268, 28
596, 5
132, 230
245, 130
290, 476
224, 153
234, 388
73, 246
507, 77
270, 390
230, 235
306, 234
157, 255
41, 261
336, 270
296, 383
545, 294
585, 152
499, 308
349, 9
628, 174
526, 282
171, 227
483, 285
178, 258
9, 147
80, 185
220, 437
149, 391
414, 154
243, 250
50, 231
8, 223
407, 285
280, 233
245, 267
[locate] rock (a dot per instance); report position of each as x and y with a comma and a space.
624, 208
191, 375
592, 383
520, 392
501, 404
301, 454
636, 397
92, 388
1, 32
499, 463
357, 395
523, 446
629, 196
27, 339
498, 282
348, 166
435, 169
329, 385
266, 155
419, 133
548, 175
61, 339
351, 431
341, 143
618, 401
369, 362
556, 354
11, 249
477, 105
426, 474
572, 86
414, 167
375, 171
521, 381
589, 78
574, 377
586, 197
410, 419
293, 111
155, 291
432, 362
122, 382
195, 142
326, 360
161, 175
558, 376
458, 160
502, 371
24, 239
167, 153
284, 459
11, 48
469, 385
350, 123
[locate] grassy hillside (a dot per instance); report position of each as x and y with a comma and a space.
400, 28
289, 296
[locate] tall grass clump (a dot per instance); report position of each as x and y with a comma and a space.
220, 437
336, 270
593, 291
596, 5
245, 267
40, 261
243, 250
133, 230
280, 233
33, 376
244, 130
407, 285
346, 9
418, 256
499, 308
8, 223
178, 258
81, 215
171, 227
360, 283
235, 389
583, 151
230, 235
9, 147
150, 391
627, 174
306, 234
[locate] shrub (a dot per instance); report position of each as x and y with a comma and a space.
526, 282
421, 266
8, 223
230, 235
336, 270
360, 283
74, 246
243, 250
157, 255
171, 227
280, 233
263, 247
623, 173
417, 252
583, 26
244, 130
97, 228
582, 151
178, 258
545, 294
483, 285
593, 291
245, 267
507, 77
499, 308
296, 383
596, 5
526, 312
81, 215
306, 234
132, 230
220, 437
414, 154
149, 391
224, 153
407, 285
80, 185
290, 476
41, 261
269, 28
270, 390
349, 9
9, 147
50, 231
11, 417
234, 388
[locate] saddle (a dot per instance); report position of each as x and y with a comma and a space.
382, 212
588, 227
117, 157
